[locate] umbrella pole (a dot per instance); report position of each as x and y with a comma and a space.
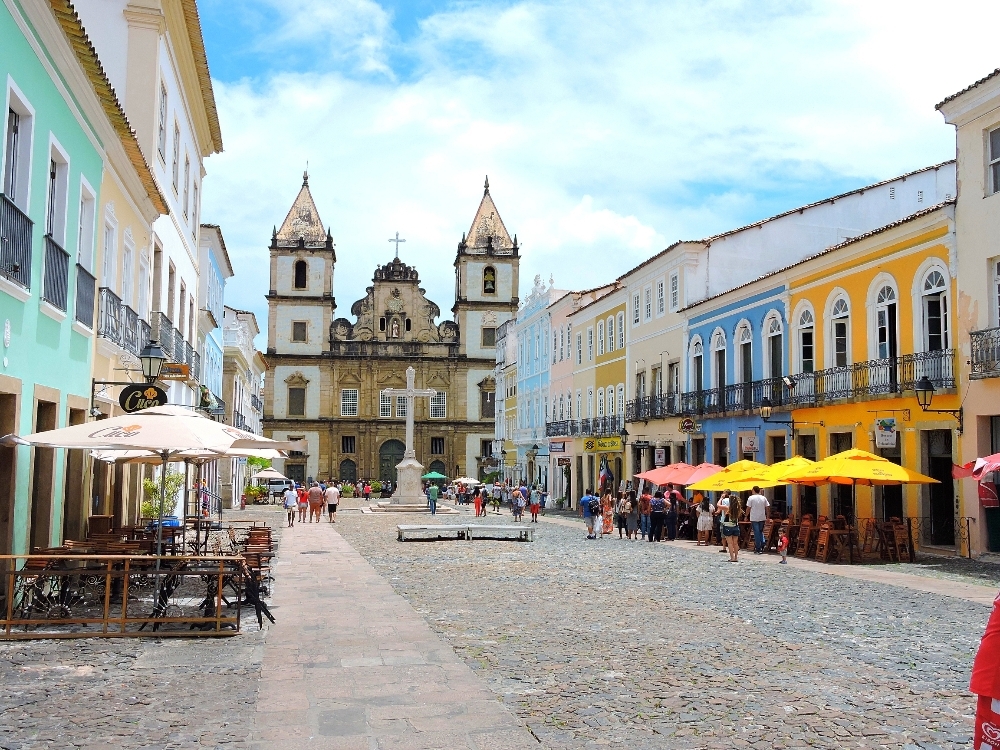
159, 525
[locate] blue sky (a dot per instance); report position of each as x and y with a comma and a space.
608, 129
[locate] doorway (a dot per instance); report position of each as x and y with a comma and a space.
889, 498
720, 451
74, 502
941, 497
807, 495
348, 471
390, 454
780, 502
842, 495
43, 479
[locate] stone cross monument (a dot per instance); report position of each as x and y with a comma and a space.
409, 470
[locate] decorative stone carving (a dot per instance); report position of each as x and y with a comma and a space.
297, 380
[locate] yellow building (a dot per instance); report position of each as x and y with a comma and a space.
599, 370
869, 318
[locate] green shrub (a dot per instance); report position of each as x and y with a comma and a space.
150, 506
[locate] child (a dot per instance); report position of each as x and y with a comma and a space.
783, 545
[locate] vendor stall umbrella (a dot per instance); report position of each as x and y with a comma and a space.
433, 475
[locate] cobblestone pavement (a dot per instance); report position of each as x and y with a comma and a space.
609, 642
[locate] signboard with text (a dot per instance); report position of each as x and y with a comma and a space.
660, 457
603, 445
563, 461
141, 396
174, 371
557, 447
885, 432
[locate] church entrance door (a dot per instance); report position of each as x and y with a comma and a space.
390, 454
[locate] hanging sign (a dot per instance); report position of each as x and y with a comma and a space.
885, 432
641, 444
557, 447
660, 457
749, 442
687, 425
174, 371
603, 445
563, 461
141, 396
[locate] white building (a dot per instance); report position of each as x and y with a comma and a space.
243, 369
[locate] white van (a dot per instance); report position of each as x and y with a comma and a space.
276, 488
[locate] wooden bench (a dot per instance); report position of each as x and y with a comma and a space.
467, 532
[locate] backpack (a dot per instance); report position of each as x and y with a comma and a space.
594, 506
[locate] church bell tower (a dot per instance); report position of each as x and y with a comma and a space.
300, 302
486, 281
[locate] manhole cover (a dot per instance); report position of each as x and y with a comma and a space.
315, 552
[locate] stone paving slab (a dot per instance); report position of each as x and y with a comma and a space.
350, 664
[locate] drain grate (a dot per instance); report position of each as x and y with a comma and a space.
315, 552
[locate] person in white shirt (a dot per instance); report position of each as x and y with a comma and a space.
291, 504
332, 499
757, 506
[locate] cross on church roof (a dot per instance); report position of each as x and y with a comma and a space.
397, 240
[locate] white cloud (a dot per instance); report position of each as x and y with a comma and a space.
608, 129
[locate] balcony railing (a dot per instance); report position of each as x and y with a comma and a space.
868, 379
596, 427
240, 422
179, 355
162, 330
135, 331
646, 408
15, 243
257, 404
55, 277
189, 356
196, 366
109, 315
86, 286
985, 354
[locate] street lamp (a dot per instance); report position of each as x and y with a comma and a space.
623, 433
152, 359
924, 391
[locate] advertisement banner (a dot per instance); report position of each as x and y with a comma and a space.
660, 457
603, 445
885, 432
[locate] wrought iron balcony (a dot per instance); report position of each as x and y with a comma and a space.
178, 352
257, 403
109, 315
239, 422
86, 286
163, 331
985, 354
196, 366
15, 243
55, 276
646, 408
135, 331
189, 357
595, 427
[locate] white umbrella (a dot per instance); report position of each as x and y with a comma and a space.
465, 480
268, 473
167, 431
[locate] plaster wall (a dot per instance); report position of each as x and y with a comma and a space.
310, 373
315, 272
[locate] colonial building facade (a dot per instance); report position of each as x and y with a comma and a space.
326, 373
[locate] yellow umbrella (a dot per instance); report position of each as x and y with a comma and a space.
856, 467
731, 478
776, 474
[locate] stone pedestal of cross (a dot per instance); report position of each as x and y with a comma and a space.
409, 470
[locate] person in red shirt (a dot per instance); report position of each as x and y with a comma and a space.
985, 683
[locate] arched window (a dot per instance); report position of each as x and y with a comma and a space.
611, 333
562, 410
775, 347
885, 323
489, 280
609, 399
744, 351
807, 342
697, 378
569, 404
621, 398
719, 359
839, 322
935, 304
300, 274
621, 330
600, 338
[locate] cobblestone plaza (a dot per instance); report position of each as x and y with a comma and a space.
559, 643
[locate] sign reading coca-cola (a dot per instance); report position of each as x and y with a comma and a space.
141, 396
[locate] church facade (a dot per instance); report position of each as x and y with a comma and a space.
326, 372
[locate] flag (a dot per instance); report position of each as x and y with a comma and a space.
606, 476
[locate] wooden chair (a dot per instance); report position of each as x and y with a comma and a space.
823, 544
901, 543
802, 542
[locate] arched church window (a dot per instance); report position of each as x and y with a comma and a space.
407, 325
300, 274
489, 280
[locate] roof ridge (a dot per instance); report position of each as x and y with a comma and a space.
968, 88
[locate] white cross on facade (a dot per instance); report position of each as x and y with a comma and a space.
410, 393
397, 240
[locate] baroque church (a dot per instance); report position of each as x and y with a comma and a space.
326, 372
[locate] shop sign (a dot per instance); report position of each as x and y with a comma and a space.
603, 445
688, 425
141, 396
563, 461
174, 371
749, 442
885, 432
660, 457
641, 444
557, 447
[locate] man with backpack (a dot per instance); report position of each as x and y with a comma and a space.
590, 507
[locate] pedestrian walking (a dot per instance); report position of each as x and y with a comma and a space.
706, 514
632, 517
731, 528
291, 504
536, 503
620, 514
720, 510
477, 502
315, 498
332, 495
432, 498
368, 491
607, 515
589, 507
657, 511
672, 504
303, 502
645, 511
757, 506
783, 544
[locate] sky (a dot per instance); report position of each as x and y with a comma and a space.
608, 130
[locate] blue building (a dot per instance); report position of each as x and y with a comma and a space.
736, 359
534, 357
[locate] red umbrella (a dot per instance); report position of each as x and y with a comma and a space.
664, 474
699, 472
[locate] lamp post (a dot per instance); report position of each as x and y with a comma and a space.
151, 360
924, 391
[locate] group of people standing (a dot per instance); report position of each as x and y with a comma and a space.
319, 496
655, 517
